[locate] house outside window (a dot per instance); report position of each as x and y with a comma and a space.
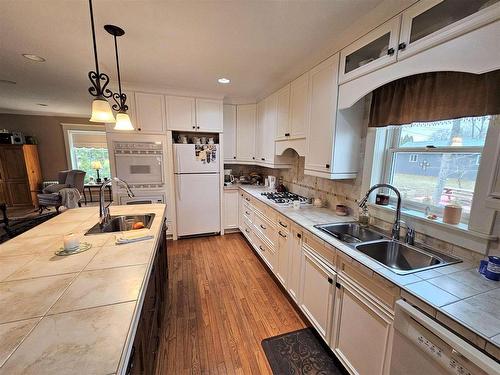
86, 147
436, 163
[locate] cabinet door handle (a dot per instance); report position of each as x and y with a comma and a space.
247, 199
248, 213
246, 230
402, 46
330, 280
253, 157
287, 134
283, 225
281, 234
262, 159
194, 127
263, 227
390, 51
337, 285
299, 235
260, 247
234, 157
327, 165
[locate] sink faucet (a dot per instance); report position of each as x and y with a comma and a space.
103, 209
397, 222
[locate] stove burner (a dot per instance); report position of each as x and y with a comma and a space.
285, 198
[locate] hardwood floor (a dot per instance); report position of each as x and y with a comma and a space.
221, 304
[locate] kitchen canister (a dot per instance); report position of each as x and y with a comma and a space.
452, 214
490, 268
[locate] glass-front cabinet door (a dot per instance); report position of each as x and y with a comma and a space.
431, 22
372, 51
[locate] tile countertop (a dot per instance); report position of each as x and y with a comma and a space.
72, 314
455, 291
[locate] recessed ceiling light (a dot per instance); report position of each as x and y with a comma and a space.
8, 81
224, 80
33, 57
42, 104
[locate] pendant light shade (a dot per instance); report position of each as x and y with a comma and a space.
122, 118
123, 122
101, 111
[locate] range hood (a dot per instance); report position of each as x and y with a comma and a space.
298, 145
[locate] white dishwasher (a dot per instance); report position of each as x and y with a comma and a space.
423, 346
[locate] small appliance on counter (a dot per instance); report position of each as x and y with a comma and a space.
271, 182
228, 177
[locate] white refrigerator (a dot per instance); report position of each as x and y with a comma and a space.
197, 187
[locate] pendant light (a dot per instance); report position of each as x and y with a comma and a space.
122, 118
101, 110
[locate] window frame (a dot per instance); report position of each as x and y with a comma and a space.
393, 135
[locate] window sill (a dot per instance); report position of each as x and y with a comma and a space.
419, 217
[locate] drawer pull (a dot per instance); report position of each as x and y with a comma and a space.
330, 280
283, 225
246, 230
281, 234
299, 235
260, 247
287, 134
263, 227
247, 199
248, 213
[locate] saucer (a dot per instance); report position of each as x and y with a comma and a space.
84, 246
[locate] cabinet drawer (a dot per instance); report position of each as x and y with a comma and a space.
327, 254
385, 291
266, 252
247, 213
247, 231
283, 224
266, 229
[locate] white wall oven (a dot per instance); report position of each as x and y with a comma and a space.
141, 164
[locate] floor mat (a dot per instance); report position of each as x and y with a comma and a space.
301, 352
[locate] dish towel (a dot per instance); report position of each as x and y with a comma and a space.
133, 236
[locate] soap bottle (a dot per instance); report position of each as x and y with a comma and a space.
364, 216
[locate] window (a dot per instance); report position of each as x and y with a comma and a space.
86, 147
436, 163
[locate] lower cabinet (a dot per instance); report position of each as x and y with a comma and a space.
142, 358
231, 203
283, 257
363, 332
295, 261
317, 292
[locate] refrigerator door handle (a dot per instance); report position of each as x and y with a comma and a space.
179, 183
178, 169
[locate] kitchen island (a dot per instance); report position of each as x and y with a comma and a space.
80, 314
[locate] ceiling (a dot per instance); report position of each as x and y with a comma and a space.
186, 45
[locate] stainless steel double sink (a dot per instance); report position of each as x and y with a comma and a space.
399, 257
121, 223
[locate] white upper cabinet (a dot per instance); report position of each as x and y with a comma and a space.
209, 115
431, 22
283, 118
333, 138
229, 120
299, 107
267, 129
373, 51
245, 132
150, 112
181, 113
190, 114
323, 96
259, 129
